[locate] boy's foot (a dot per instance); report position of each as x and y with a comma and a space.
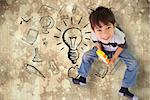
124, 92
79, 80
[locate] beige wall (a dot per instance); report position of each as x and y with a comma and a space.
19, 80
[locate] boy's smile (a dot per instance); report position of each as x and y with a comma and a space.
104, 32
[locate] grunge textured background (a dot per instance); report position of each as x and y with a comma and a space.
41, 39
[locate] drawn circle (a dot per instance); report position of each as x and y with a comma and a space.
47, 22
72, 72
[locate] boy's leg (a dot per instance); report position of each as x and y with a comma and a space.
130, 75
87, 60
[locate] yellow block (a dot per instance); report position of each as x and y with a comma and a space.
103, 56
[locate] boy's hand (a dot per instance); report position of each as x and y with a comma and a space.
112, 61
115, 56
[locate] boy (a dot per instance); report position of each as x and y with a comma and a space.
112, 41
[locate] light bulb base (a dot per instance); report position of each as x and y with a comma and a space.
73, 55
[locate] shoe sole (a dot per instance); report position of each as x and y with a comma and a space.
82, 84
134, 98
77, 82
121, 94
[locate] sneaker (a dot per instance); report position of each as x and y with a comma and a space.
79, 80
125, 92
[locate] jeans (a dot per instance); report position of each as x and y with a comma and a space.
132, 65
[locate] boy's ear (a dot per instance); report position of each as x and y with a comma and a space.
115, 24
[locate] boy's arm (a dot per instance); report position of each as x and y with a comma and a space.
121, 40
118, 51
98, 45
116, 54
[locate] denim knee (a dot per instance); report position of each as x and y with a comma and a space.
134, 65
86, 56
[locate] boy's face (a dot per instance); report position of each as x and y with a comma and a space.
105, 32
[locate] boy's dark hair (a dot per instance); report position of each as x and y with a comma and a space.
101, 14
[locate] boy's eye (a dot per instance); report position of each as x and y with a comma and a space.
99, 30
108, 27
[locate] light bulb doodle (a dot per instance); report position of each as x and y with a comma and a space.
73, 30
72, 37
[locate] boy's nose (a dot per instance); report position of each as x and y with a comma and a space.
104, 36
105, 31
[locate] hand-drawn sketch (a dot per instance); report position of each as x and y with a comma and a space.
45, 31
46, 22
25, 20
31, 36
73, 72
66, 11
36, 56
115, 67
103, 69
74, 8
32, 69
45, 42
53, 67
47, 10
72, 37
90, 5
102, 72
62, 17
100, 68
